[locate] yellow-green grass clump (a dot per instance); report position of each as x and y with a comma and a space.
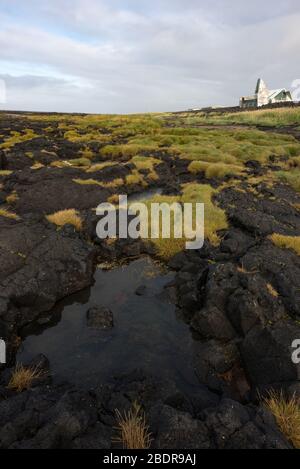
37, 165
17, 137
23, 377
76, 162
132, 428
287, 414
87, 182
214, 170
66, 217
116, 152
232, 147
12, 198
86, 137
135, 178
5, 172
86, 153
113, 199
290, 177
148, 163
287, 242
92, 182
215, 218
7, 214
113, 184
99, 166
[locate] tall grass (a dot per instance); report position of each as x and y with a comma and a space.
133, 429
287, 414
287, 242
23, 377
268, 117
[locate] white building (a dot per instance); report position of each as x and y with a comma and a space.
264, 96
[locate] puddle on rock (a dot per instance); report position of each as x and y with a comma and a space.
144, 196
146, 334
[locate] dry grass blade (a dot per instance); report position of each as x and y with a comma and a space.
134, 432
287, 242
6, 214
66, 217
23, 377
287, 414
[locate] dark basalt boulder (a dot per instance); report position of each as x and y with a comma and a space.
211, 323
141, 290
99, 317
267, 354
39, 266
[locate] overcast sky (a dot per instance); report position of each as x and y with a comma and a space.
112, 56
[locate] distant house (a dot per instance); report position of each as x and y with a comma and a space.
264, 96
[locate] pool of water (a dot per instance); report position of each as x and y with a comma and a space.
146, 334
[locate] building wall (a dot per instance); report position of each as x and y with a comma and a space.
282, 97
248, 103
262, 94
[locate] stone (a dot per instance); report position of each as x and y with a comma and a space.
100, 317
141, 290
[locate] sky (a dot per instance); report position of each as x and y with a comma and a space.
112, 56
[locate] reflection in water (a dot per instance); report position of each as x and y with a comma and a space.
146, 335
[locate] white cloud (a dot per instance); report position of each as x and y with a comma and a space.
113, 56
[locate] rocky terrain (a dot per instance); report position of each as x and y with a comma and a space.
240, 294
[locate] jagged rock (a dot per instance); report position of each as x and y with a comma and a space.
211, 323
39, 267
141, 290
267, 354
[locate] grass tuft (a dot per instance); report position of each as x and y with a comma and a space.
287, 414
135, 178
66, 217
5, 172
6, 214
134, 432
286, 242
76, 162
291, 177
23, 377
12, 198
99, 166
106, 185
272, 290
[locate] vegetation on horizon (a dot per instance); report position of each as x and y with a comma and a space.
265, 117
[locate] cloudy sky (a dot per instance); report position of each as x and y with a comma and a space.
138, 56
